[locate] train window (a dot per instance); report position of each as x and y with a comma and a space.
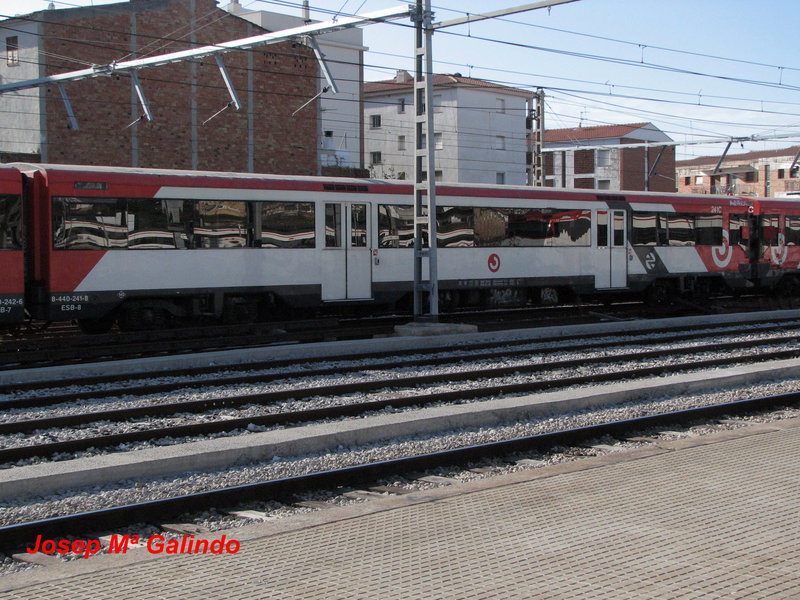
358, 226
529, 228
220, 224
619, 228
333, 226
149, 225
649, 229
737, 231
454, 227
396, 226
793, 231
10, 223
570, 228
287, 225
708, 230
491, 227
680, 230
602, 229
180, 221
769, 230
89, 224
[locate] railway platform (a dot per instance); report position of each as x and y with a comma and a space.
702, 517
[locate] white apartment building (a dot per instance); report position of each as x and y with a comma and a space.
339, 115
22, 111
479, 129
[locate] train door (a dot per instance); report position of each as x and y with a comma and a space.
346, 257
613, 269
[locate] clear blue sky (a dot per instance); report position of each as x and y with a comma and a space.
653, 54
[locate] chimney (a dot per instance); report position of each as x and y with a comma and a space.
402, 77
234, 7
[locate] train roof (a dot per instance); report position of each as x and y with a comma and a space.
170, 177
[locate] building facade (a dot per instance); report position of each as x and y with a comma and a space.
339, 116
767, 173
479, 129
271, 82
571, 161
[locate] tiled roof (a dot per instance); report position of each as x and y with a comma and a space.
577, 134
439, 81
789, 153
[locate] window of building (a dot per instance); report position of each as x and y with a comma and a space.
12, 51
438, 141
401, 105
603, 158
687, 181
781, 173
500, 142
375, 158
437, 175
401, 142
437, 104
500, 178
698, 180
603, 184
501, 105
375, 122
751, 177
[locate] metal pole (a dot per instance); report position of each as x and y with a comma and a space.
538, 149
424, 184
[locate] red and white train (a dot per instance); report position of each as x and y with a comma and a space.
141, 247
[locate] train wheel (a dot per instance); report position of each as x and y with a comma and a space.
96, 326
548, 296
448, 300
659, 295
140, 317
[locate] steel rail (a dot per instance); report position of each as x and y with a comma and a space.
156, 511
488, 349
333, 412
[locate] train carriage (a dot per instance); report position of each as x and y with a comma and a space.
141, 247
12, 280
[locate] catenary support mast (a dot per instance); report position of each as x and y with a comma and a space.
424, 170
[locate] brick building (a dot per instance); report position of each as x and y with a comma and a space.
766, 173
570, 164
271, 81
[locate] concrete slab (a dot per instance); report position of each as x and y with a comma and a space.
434, 329
47, 478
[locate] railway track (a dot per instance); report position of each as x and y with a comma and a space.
74, 347
63, 344
288, 488
288, 394
544, 376
396, 380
